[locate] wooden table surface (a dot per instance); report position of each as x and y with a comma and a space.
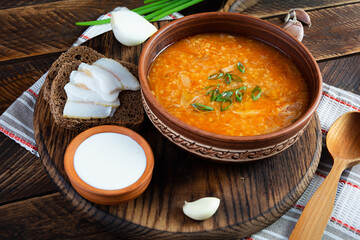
34, 33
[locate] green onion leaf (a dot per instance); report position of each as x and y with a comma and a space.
92, 23
228, 78
236, 78
172, 5
174, 8
216, 76
149, 1
226, 100
256, 93
157, 9
151, 7
241, 67
202, 107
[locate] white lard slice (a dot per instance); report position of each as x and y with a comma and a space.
126, 78
85, 110
79, 94
106, 81
83, 79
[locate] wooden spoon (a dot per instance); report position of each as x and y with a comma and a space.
343, 142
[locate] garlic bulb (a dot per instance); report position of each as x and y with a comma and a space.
293, 25
130, 28
298, 14
202, 208
295, 28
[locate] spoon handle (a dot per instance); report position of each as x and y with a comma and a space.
317, 212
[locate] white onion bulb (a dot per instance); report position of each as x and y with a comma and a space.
130, 28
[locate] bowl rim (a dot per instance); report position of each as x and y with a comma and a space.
74, 177
302, 120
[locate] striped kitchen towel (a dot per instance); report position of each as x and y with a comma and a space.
17, 123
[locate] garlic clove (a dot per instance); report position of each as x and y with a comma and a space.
298, 14
295, 28
202, 208
289, 16
303, 16
130, 28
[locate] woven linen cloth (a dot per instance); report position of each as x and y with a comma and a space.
17, 123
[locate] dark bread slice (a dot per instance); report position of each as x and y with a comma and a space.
75, 54
129, 114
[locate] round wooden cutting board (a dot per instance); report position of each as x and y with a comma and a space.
253, 195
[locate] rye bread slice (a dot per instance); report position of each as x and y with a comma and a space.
75, 54
129, 114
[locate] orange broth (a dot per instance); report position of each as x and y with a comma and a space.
179, 74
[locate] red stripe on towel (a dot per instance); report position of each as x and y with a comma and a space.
345, 225
340, 101
16, 138
321, 175
341, 181
172, 16
299, 206
85, 37
32, 92
334, 219
350, 184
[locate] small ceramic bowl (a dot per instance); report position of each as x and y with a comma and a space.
114, 196
218, 147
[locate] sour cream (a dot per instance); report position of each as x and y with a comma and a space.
109, 161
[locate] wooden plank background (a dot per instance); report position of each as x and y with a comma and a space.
34, 33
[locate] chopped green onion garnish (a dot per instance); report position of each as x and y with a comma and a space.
228, 78
216, 76
254, 95
239, 92
229, 100
242, 88
238, 95
202, 107
223, 96
214, 94
241, 67
236, 78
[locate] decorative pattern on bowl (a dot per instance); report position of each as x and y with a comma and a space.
218, 154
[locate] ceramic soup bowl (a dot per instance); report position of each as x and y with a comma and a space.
224, 148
